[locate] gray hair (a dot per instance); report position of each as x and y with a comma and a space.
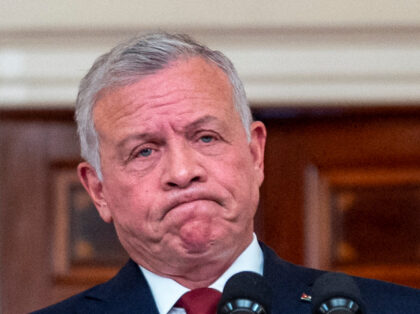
130, 61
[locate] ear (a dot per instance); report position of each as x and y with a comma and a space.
94, 187
257, 146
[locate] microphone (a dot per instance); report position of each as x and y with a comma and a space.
336, 293
245, 293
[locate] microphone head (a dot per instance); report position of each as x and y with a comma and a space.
333, 292
245, 292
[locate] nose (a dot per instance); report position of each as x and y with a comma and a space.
182, 167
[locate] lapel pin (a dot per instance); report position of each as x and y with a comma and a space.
305, 297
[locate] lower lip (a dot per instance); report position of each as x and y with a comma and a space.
189, 204
197, 206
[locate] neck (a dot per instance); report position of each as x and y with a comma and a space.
202, 272
204, 275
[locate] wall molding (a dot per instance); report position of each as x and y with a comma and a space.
279, 66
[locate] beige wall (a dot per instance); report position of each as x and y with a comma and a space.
287, 52
31, 14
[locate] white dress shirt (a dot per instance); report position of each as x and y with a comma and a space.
166, 292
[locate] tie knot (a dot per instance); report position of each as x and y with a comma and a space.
200, 301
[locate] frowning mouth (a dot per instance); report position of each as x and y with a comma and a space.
188, 198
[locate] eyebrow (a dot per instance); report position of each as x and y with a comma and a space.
147, 135
134, 137
203, 120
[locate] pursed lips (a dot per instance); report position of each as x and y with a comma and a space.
188, 198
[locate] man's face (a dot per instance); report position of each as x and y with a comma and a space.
180, 179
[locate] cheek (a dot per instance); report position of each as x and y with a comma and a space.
238, 177
126, 199
241, 169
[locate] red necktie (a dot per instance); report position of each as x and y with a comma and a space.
200, 301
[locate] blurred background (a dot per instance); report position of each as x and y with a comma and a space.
336, 82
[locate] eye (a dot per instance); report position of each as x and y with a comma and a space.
145, 152
207, 138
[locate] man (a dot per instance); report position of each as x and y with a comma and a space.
175, 162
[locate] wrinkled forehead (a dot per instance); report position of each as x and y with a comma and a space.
183, 77
183, 65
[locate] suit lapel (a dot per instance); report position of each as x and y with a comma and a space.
127, 292
288, 282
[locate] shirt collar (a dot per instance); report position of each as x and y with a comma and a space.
251, 259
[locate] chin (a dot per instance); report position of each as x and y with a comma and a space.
198, 246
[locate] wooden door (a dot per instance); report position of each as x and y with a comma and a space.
342, 190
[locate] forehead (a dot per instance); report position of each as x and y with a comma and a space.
186, 84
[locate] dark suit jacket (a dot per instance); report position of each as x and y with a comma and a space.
128, 292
